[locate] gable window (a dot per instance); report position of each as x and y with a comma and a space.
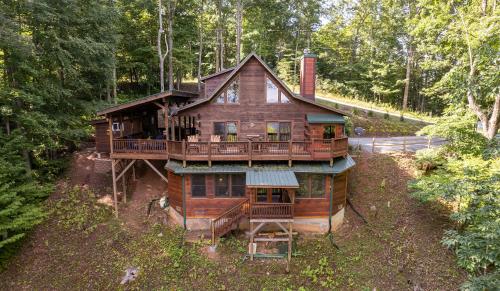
273, 94
279, 131
228, 131
329, 131
310, 185
229, 185
233, 91
231, 94
198, 188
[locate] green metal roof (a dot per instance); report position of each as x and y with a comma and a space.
340, 165
271, 179
325, 118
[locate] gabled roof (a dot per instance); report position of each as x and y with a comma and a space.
235, 71
150, 98
217, 73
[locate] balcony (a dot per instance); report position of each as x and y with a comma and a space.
319, 150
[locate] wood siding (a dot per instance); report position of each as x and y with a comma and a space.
253, 111
210, 206
316, 130
102, 137
212, 83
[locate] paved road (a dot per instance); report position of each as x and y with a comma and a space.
376, 111
421, 142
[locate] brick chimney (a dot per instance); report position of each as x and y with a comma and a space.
308, 75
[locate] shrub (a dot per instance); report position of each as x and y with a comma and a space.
386, 115
370, 113
429, 159
348, 126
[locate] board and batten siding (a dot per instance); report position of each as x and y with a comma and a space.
253, 111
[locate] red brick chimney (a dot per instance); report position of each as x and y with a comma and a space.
308, 75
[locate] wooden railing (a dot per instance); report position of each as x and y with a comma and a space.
238, 150
225, 222
140, 145
271, 211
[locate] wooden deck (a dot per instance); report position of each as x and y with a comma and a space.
318, 150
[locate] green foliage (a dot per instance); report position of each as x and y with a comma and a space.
322, 274
348, 126
78, 210
457, 126
465, 176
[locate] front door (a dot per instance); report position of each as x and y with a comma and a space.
272, 195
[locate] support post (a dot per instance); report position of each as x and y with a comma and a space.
115, 198
210, 153
251, 241
124, 187
290, 239
183, 153
172, 128
290, 153
110, 130
429, 142
134, 178
330, 209
249, 153
373, 144
404, 144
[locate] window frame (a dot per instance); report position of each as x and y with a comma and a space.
224, 91
309, 187
229, 177
224, 137
204, 186
279, 129
280, 92
333, 129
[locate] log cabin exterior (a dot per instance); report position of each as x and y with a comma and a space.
244, 147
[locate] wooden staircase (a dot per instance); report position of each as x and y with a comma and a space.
229, 219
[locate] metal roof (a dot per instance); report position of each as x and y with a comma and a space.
271, 179
339, 166
325, 118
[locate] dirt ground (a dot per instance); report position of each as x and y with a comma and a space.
82, 246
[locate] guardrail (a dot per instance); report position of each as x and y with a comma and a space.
271, 211
224, 223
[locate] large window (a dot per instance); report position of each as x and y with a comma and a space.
229, 185
273, 94
329, 132
231, 94
228, 131
278, 131
198, 188
310, 185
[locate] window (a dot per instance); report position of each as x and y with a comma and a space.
278, 131
228, 131
329, 132
233, 91
272, 92
310, 185
221, 185
283, 98
198, 188
221, 98
229, 185
231, 94
238, 182
116, 126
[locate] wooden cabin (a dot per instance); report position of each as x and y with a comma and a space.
245, 148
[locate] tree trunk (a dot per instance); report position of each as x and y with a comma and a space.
200, 50
171, 11
114, 83
161, 56
239, 11
220, 39
408, 76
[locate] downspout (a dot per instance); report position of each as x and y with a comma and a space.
184, 200
330, 210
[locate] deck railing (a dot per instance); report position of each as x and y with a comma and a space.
271, 211
317, 149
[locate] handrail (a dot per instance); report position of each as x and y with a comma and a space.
224, 222
318, 149
271, 211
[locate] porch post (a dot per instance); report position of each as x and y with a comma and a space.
110, 123
113, 174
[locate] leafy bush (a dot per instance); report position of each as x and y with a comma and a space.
370, 113
348, 126
386, 115
429, 159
